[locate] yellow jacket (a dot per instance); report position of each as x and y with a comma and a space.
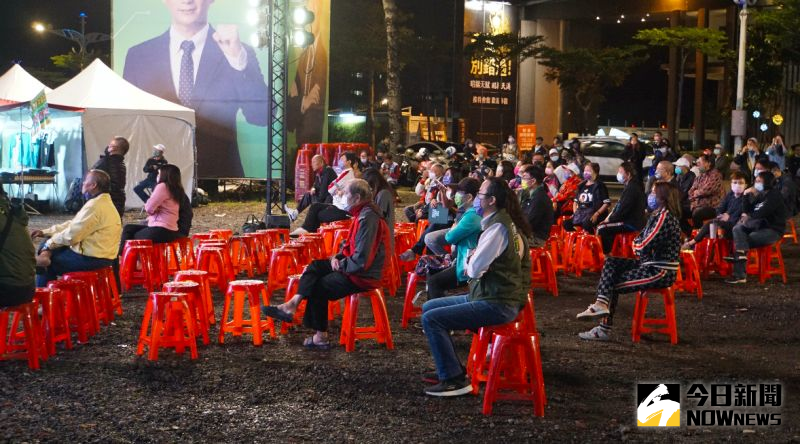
95, 231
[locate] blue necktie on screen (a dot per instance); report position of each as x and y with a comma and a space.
186, 80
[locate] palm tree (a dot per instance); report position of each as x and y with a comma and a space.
393, 72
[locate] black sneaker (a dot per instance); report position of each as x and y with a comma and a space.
457, 386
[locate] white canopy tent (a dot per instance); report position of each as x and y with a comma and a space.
16, 85
113, 107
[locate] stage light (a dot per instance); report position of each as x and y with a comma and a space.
302, 38
302, 16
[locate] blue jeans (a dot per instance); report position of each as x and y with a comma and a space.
435, 242
140, 188
746, 238
64, 260
440, 316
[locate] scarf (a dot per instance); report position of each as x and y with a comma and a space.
382, 237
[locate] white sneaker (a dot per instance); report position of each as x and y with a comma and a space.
596, 334
594, 311
291, 212
419, 298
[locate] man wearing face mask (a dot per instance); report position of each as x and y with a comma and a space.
87, 242
728, 212
427, 189
536, 205
748, 156
540, 147
763, 222
661, 151
463, 237
364, 161
685, 178
499, 280
706, 192
151, 168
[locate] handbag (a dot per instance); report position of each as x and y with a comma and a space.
431, 264
253, 224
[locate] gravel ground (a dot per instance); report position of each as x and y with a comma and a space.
102, 392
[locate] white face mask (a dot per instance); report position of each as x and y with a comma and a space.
717, 152
431, 175
737, 188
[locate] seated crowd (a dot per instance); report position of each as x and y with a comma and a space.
480, 226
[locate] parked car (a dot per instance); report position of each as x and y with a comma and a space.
608, 152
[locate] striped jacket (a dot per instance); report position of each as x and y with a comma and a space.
659, 243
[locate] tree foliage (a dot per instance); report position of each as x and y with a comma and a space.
586, 74
711, 42
497, 48
773, 42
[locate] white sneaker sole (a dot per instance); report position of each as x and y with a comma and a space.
592, 316
458, 392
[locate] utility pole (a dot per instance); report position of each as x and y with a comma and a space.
739, 119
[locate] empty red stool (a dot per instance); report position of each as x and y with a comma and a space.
543, 272
201, 277
515, 365
106, 276
710, 254
168, 260
242, 258
791, 230
766, 261
666, 325
313, 246
250, 292
216, 262
409, 310
588, 254
223, 233
380, 331
688, 276
167, 322
303, 254
282, 264
185, 248
100, 292
328, 233
557, 246
258, 251
55, 319
27, 343
623, 245
80, 308
196, 304
276, 236
138, 267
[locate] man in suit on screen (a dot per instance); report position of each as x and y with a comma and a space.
209, 70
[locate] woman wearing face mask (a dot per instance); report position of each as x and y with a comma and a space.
657, 249
763, 222
463, 237
551, 180
591, 202
535, 204
505, 171
728, 212
628, 214
748, 156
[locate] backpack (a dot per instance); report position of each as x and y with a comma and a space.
75, 199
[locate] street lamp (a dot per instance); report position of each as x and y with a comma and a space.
79, 37
738, 126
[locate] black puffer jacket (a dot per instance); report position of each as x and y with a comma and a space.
114, 165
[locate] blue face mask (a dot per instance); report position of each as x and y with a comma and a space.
87, 196
759, 186
678, 170
652, 202
620, 178
447, 180
476, 204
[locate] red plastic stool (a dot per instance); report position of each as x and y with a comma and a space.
409, 310
258, 251
710, 254
334, 309
196, 304
168, 260
255, 325
543, 273
171, 324
766, 261
339, 237
282, 264
303, 253
390, 279
185, 248
328, 233
223, 233
422, 225
201, 277
643, 324
106, 276
381, 331
80, 308
242, 258
515, 365
313, 247
588, 254
276, 236
27, 343
216, 262
557, 246
138, 267
55, 320
623, 245
688, 277
291, 291
101, 293
791, 232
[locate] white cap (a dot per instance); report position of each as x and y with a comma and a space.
159, 147
450, 150
682, 162
553, 150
